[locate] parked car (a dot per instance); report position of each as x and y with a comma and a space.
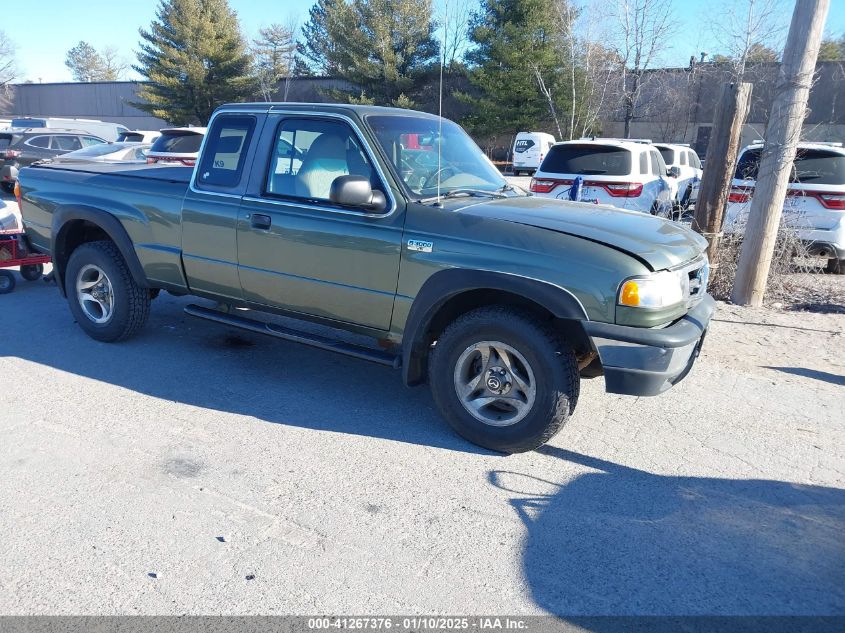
497, 298
138, 136
689, 171
108, 153
815, 201
529, 150
177, 146
22, 147
626, 174
102, 129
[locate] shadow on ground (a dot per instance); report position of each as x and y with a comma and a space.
622, 541
824, 376
211, 366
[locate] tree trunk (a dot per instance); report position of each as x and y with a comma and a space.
783, 132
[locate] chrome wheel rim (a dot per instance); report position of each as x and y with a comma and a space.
495, 383
95, 293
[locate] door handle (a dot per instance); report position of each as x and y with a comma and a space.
260, 221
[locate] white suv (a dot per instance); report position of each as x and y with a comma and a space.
815, 200
689, 171
622, 173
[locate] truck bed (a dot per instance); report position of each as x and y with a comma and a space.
166, 173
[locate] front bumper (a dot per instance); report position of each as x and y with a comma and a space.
648, 361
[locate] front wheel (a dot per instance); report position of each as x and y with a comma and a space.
103, 296
503, 379
7, 282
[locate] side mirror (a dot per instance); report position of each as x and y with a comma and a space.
674, 171
355, 191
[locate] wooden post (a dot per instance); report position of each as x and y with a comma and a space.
782, 135
731, 112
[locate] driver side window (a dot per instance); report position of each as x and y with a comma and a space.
309, 154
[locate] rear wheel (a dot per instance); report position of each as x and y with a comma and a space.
7, 282
32, 272
103, 296
503, 379
836, 266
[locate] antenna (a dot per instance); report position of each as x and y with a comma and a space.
440, 98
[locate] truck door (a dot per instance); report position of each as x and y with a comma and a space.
211, 206
299, 251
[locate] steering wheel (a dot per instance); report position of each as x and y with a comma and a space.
433, 178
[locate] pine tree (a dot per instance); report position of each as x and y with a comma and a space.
195, 59
381, 47
515, 67
86, 64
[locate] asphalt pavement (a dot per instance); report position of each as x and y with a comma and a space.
198, 469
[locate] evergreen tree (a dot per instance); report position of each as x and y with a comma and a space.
516, 66
381, 47
195, 59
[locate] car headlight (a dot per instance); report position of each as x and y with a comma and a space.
659, 290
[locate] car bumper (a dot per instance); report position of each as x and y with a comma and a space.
648, 361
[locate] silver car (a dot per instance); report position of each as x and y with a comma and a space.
108, 153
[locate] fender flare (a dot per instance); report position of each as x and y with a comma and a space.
111, 226
449, 283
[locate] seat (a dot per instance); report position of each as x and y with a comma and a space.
325, 161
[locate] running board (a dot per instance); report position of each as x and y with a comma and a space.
306, 338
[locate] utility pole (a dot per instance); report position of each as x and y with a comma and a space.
731, 112
782, 135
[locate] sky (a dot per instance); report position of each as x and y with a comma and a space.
43, 42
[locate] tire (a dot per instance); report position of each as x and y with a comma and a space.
7, 282
536, 352
116, 308
32, 272
836, 266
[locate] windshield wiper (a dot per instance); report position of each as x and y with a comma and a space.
453, 193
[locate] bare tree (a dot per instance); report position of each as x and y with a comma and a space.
114, 65
643, 29
274, 51
8, 67
592, 69
453, 17
748, 31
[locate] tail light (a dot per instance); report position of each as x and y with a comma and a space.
11, 153
831, 200
18, 193
619, 189
545, 185
151, 160
740, 194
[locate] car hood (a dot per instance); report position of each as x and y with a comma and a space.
656, 242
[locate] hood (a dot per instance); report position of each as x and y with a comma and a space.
656, 242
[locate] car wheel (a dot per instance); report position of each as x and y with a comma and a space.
503, 379
103, 296
32, 272
836, 266
7, 282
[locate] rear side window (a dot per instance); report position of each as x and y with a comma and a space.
178, 143
39, 141
66, 143
668, 155
658, 167
225, 151
523, 145
588, 160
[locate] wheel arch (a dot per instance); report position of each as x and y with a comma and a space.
449, 293
76, 225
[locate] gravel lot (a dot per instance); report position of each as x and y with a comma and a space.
196, 469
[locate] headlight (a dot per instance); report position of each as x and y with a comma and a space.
660, 290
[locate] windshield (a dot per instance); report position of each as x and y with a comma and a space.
178, 143
411, 143
587, 159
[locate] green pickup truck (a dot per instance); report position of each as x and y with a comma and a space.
393, 232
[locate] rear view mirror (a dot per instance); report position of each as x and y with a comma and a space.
356, 191
674, 171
